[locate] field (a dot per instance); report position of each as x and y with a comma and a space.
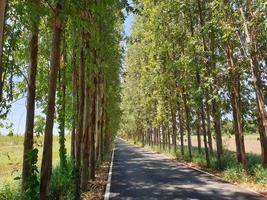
252, 143
11, 153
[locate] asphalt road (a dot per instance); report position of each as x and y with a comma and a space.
140, 174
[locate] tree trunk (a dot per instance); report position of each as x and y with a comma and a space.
236, 106
3, 5
181, 127
257, 82
74, 106
169, 137
198, 132
29, 130
205, 134
174, 130
79, 133
93, 130
87, 128
187, 115
62, 112
103, 103
46, 167
218, 133
208, 124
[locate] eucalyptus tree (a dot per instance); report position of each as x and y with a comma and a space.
3, 5
46, 167
33, 60
252, 17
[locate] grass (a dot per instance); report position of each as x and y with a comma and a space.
11, 154
231, 170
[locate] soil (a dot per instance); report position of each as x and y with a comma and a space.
96, 188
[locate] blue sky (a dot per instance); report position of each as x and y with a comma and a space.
17, 115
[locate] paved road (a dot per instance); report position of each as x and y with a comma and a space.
139, 174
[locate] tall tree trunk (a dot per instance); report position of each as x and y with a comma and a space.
218, 133
103, 103
236, 106
205, 134
198, 131
80, 120
169, 136
257, 82
46, 167
181, 127
62, 111
187, 115
3, 5
87, 128
208, 124
174, 130
74, 106
93, 130
29, 130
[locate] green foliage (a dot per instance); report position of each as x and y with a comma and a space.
39, 125
62, 183
32, 193
9, 192
235, 174
260, 175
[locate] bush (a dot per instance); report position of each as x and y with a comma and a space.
62, 184
235, 174
10, 193
260, 175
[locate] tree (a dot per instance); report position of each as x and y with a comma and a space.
29, 130
3, 5
46, 168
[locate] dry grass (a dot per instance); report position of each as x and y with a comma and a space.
11, 154
97, 188
252, 143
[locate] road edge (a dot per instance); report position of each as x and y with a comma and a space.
107, 191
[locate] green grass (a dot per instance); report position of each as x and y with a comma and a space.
11, 154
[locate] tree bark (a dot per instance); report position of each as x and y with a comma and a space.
87, 128
257, 82
79, 133
187, 115
93, 130
46, 167
74, 106
208, 124
3, 5
29, 128
198, 131
218, 133
174, 130
236, 106
181, 127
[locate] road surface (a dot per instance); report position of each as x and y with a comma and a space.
140, 174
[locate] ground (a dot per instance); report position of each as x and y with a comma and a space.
141, 174
11, 153
252, 143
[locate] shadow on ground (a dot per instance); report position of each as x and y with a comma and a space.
139, 174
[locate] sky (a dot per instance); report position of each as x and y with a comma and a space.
17, 115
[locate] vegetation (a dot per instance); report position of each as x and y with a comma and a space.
193, 68
65, 57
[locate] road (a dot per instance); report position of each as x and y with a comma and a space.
140, 174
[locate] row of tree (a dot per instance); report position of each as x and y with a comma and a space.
66, 56
192, 66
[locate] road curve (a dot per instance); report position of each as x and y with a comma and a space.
140, 174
